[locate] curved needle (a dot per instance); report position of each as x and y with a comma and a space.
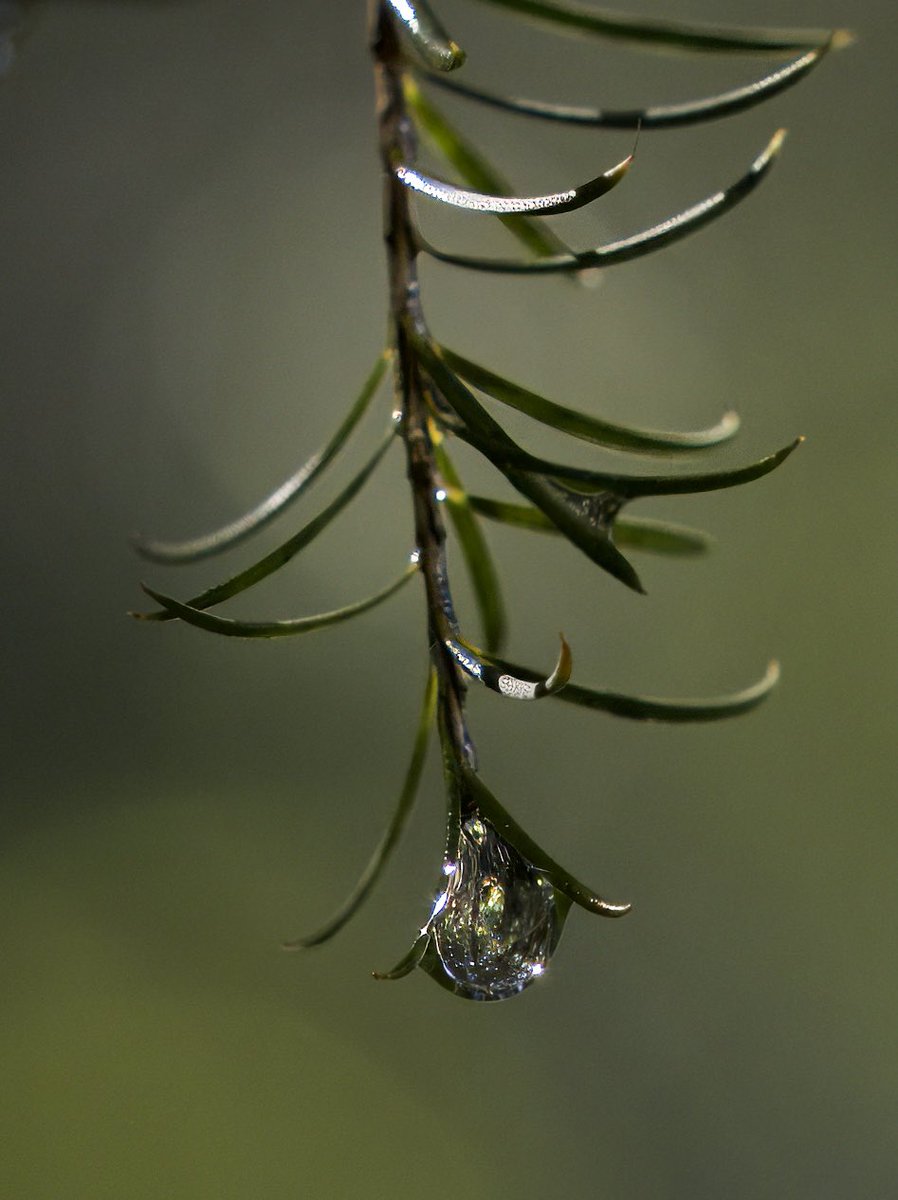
576, 18
648, 240
656, 116
381, 855
505, 682
287, 550
583, 425
557, 202
476, 171
426, 33
408, 962
273, 505
655, 708
506, 826
271, 629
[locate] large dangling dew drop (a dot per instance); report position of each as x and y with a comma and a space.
496, 924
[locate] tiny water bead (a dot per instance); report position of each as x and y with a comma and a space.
496, 924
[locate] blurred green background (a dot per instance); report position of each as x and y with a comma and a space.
192, 291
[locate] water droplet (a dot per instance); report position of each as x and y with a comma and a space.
440, 495
495, 925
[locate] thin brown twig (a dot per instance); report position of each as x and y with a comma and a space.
398, 145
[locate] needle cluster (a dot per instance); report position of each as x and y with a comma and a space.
502, 900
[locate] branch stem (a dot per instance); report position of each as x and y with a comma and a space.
398, 146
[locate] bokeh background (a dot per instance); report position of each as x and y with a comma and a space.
192, 291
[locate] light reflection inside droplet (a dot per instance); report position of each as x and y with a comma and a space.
440, 495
